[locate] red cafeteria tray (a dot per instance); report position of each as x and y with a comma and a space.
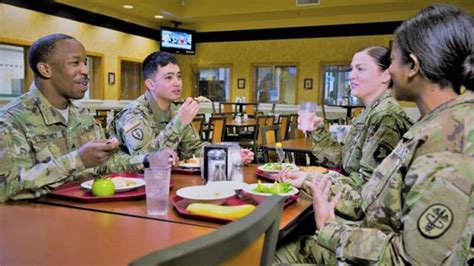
180, 205
73, 191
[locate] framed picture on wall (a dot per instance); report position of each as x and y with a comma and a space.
111, 78
308, 84
240, 83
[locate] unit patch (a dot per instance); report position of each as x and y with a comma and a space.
137, 133
435, 221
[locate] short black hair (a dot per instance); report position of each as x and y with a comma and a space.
441, 37
381, 55
153, 60
42, 48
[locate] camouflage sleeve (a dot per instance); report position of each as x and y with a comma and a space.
326, 149
134, 131
191, 143
435, 223
21, 176
383, 136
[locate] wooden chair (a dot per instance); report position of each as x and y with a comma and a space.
270, 135
198, 124
217, 123
284, 121
249, 140
227, 108
249, 241
251, 109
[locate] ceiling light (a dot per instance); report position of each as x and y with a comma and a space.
159, 16
127, 6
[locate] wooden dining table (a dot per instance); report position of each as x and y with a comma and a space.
304, 145
291, 216
40, 234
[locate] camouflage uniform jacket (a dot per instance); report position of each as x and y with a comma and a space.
39, 150
373, 136
143, 127
419, 203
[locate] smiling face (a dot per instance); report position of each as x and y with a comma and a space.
69, 74
366, 78
166, 84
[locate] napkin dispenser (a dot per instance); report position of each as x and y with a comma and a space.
208, 164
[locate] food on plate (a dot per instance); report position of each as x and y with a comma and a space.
319, 169
279, 166
121, 182
218, 211
193, 160
103, 187
276, 188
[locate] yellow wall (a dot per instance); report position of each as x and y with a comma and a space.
27, 26
308, 54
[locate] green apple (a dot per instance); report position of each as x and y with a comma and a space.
103, 187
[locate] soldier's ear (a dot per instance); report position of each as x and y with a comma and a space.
415, 66
150, 84
44, 69
386, 77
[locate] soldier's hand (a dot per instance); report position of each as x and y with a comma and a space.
317, 122
323, 207
296, 178
246, 155
95, 153
155, 158
188, 111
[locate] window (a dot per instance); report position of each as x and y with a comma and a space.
336, 86
213, 83
132, 84
12, 70
275, 84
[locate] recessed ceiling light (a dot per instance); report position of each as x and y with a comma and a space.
127, 6
159, 16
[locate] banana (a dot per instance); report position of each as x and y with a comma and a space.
218, 211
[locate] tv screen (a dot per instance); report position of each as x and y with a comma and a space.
177, 41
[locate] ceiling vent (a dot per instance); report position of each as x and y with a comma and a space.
307, 2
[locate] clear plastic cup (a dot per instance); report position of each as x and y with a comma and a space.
307, 115
157, 186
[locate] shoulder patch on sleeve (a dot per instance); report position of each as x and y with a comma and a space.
435, 220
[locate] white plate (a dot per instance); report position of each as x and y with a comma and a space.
228, 185
121, 183
205, 193
189, 165
293, 167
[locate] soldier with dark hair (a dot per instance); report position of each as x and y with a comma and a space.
418, 205
47, 139
153, 121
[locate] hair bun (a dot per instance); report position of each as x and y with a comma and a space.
468, 73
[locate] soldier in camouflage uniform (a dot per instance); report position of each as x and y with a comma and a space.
47, 139
418, 205
374, 133
153, 121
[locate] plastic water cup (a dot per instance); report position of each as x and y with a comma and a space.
307, 114
157, 186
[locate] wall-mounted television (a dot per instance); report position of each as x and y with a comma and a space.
177, 41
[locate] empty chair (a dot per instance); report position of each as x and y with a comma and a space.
227, 108
198, 124
217, 125
270, 135
284, 121
249, 241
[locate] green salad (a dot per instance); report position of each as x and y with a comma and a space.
279, 166
276, 188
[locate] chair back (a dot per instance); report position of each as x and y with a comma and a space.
249, 241
270, 135
284, 121
251, 109
217, 124
198, 122
226, 108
